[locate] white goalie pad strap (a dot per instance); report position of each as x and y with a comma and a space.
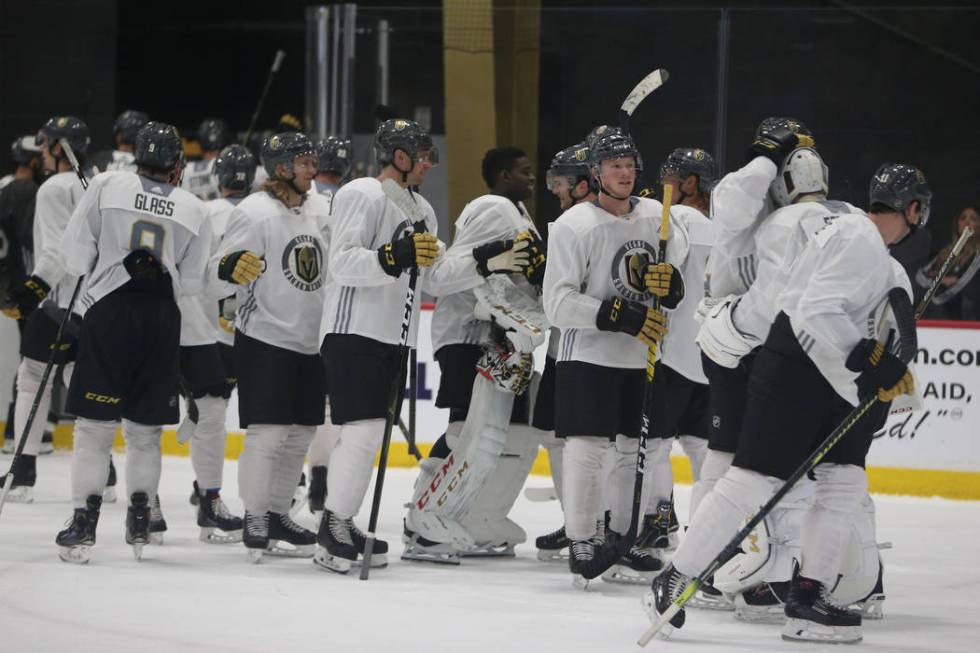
443, 499
500, 300
718, 337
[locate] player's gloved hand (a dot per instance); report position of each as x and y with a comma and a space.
665, 281
705, 306
418, 249
537, 252
242, 267
24, 299
776, 144
638, 320
880, 369
720, 339
226, 313
502, 256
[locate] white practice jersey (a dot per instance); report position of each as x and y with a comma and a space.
363, 299
323, 189
199, 179
56, 199
486, 219
738, 203
839, 279
594, 256
122, 212
199, 313
282, 307
121, 161
679, 350
261, 176
6, 179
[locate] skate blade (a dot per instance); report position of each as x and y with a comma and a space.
78, 555
801, 630
441, 558
624, 575
582, 583
138, 551
490, 551
759, 615
21, 494
702, 601
109, 494
281, 549
329, 562
157, 538
550, 555
378, 561
255, 555
212, 535
872, 608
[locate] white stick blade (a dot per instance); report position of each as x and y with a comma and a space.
647, 85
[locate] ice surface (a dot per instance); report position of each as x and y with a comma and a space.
190, 596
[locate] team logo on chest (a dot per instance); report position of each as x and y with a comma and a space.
302, 262
628, 266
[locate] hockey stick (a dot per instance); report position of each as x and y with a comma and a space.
647, 85
409, 438
905, 319
402, 198
948, 263
9, 479
413, 385
276, 64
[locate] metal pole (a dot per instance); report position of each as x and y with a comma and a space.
721, 106
334, 63
383, 61
347, 81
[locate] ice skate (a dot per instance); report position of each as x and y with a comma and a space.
109, 492
9, 445
667, 586
299, 496
379, 552
138, 523
158, 525
764, 604
255, 535
335, 551
287, 539
419, 549
660, 530
495, 539
195, 498
47, 441
709, 597
872, 606
75, 542
580, 554
637, 567
22, 483
317, 494
553, 546
812, 617
218, 525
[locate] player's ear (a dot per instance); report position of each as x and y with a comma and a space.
690, 185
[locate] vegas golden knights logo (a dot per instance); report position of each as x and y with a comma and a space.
307, 263
628, 267
636, 265
302, 262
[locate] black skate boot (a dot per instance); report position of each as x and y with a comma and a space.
24, 477
299, 495
667, 586
158, 525
550, 546
660, 529
284, 531
379, 552
872, 606
213, 515
76, 541
336, 551
763, 603
255, 535
195, 498
637, 567
580, 556
421, 549
138, 523
47, 440
317, 494
109, 492
812, 617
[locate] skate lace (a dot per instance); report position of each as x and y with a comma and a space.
583, 549
832, 605
257, 523
286, 522
156, 514
340, 529
220, 509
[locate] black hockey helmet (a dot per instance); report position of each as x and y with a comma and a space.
23, 149
128, 125
792, 124
333, 155
613, 145
405, 135
158, 147
284, 148
213, 134
235, 168
70, 128
896, 185
571, 163
599, 132
686, 161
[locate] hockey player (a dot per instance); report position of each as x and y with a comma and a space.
124, 131
817, 352
207, 362
460, 339
373, 247
199, 178
280, 375
333, 156
595, 292
144, 242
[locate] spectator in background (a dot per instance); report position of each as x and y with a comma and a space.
958, 296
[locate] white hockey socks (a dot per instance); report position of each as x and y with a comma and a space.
583, 478
258, 464
555, 447
142, 457
660, 485
29, 375
695, 449
289, 467
839, 491
323, 442
350, 466
208, 442
716, 463
90, 458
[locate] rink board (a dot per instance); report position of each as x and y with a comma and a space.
934, 451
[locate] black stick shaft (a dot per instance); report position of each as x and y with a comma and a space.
413, 394
276, 63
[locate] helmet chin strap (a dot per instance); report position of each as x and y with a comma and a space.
604, 190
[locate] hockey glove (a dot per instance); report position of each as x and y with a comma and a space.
24, 299
242, 267
665, 281
226, 313
502, 256
720, 339
880, 369
405, 253
647, 324
538, 256
704, 308
776, 145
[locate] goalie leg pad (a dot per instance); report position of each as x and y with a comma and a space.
860, 572
827, 525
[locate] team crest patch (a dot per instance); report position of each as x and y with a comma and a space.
628, 267
302, 263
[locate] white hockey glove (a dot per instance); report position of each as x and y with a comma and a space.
720, 340
503, 256
705, 306
501, 302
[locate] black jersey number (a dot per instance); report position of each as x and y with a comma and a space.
149, 236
